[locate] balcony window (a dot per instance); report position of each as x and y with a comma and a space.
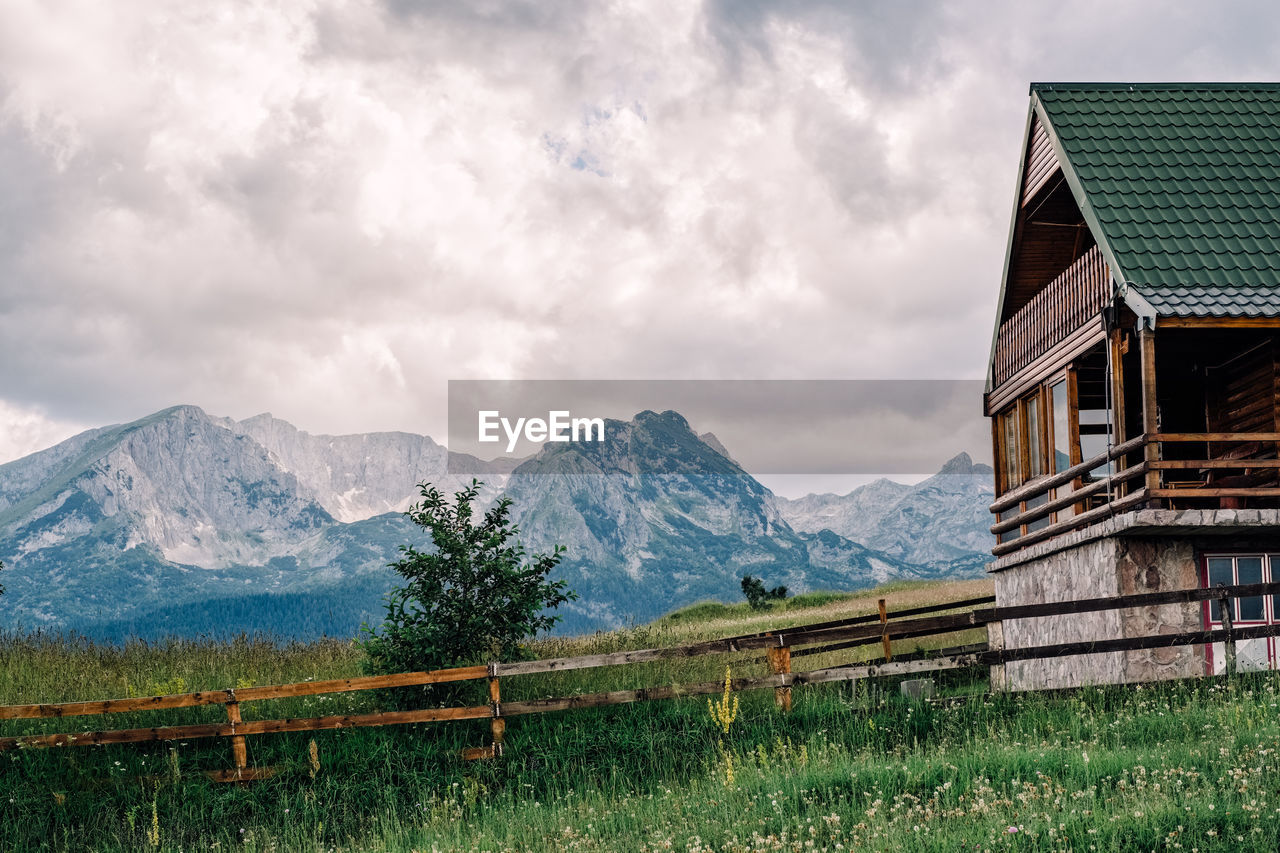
1032, 406
1061, 425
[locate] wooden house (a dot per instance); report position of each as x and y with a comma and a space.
1133, 380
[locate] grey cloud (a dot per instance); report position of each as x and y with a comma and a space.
890, 46
373, 199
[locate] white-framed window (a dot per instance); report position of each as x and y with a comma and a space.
1235, 569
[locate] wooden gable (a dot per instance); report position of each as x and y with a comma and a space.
1041, 162
1049, 231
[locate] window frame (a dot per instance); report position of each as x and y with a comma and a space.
1017, 461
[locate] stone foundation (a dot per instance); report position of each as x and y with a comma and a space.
1146, 551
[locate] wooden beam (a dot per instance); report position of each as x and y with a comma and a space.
1123, 644
852, 672
1150, 412
997, 457
1073, 424
1067, 500
239, 749
643, 694
498, 725
1196, 464
885, 641
246, 774
1037, 487
1045, 365
253, 727
243, 694
1242, 492
780, 664
1117, 386
872, 617
1216, 436
1096, 514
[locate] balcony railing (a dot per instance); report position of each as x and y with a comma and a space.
1066, 303
1073, 498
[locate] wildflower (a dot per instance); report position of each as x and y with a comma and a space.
724, 712
153, 834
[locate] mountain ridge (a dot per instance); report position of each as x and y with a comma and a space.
178, 508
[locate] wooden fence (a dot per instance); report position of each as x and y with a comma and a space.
780, 646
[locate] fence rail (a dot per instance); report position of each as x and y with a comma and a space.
816, 638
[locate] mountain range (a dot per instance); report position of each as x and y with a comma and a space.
187, 524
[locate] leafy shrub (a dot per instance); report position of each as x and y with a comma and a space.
477, 597
757, 596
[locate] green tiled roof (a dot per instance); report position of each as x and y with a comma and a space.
1184, 182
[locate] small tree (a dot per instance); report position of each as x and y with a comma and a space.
475, 598
757, 596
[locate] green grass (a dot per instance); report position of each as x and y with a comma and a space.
716, 610
1193, 765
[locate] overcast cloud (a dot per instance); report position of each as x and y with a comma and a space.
329, 209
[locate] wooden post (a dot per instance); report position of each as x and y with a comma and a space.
1150, 425
239, 751
1117, 398
498, 726
780, 664
884, 637
1229, 645
995, 643
1073, 426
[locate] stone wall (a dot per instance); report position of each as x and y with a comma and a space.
1101, 567
1067, 575
1157, 565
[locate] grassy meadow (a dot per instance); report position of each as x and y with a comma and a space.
1189, 766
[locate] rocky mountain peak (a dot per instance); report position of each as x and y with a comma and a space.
164, 520
962, 464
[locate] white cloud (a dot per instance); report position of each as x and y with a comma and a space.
27, 430
329, 208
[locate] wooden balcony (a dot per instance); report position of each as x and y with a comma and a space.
1072, 498
1072, 299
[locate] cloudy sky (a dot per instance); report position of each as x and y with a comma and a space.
327, 210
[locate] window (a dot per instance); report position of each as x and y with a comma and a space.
1243, 569
1034, 440
1023, 440
1061, 425
1232, 570
1009, 453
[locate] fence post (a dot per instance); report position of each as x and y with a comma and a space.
995, 643
884, 638
239, 750
1229, 645
498, 726
780, 664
